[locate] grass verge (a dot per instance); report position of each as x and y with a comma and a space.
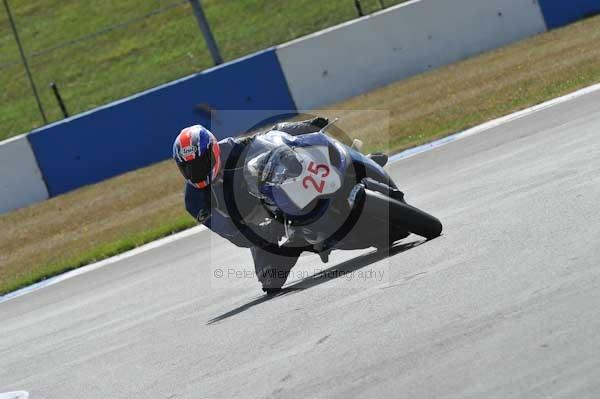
107, 218
95, 254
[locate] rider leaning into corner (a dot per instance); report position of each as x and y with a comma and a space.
203, 162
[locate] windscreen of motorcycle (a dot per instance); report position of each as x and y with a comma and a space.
267, 160
284, 171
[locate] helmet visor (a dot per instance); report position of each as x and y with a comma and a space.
198, 169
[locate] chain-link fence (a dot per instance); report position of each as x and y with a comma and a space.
97, 52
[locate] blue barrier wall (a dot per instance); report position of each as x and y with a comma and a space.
558, 13
140, 130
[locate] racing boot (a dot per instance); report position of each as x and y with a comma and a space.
324, 255
324, 249
379, 158
272, 266
272, 280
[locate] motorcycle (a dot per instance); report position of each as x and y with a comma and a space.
318, 194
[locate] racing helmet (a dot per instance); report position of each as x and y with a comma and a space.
197, 154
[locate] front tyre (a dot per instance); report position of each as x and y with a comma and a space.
416, 221
401, 215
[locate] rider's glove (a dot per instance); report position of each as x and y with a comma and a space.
320, 122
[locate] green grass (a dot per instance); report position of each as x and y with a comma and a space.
141, 55
95, 254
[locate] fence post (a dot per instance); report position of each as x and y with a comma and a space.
205, 28
24, 59
359, 9
59, 99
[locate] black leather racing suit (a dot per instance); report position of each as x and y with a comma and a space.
211, 206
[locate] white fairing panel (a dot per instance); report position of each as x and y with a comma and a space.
318, 177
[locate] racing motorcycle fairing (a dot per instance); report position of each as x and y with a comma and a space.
292, 172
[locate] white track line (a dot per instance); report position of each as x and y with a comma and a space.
125, 255
492, 124
395, 158
15, 395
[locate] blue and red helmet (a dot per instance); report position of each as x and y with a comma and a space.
197, 154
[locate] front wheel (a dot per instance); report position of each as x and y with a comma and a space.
401, 215
416, 221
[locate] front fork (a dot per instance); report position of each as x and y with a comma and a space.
374, 185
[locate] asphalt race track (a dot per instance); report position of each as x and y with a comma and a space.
505, 304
